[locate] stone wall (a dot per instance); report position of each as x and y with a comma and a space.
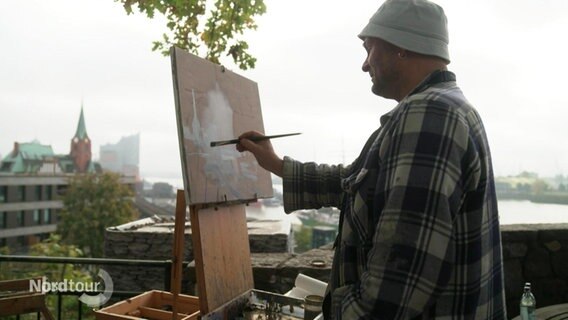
152, 239
144, 239
535, 253
153, 244
532, 253
277, 272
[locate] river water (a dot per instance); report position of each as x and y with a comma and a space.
524, 211
510, 212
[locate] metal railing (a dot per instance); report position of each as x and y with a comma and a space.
165, 264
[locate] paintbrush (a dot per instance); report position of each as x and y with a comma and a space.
254, 139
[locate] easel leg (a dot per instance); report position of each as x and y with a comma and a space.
198, 257
179, 233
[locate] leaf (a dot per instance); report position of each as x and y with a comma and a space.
226, 19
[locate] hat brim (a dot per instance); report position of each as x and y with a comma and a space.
409, 41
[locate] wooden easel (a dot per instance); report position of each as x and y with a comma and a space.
222, 265
177, 260
221, 251
222, 254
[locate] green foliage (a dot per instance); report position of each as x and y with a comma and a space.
303, 239
93, 203
6, 267
51, 247
539, 186
225, 22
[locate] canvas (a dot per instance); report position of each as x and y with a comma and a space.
214, 104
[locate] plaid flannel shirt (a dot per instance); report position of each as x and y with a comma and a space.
419, 231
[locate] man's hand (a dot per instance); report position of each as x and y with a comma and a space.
262, 151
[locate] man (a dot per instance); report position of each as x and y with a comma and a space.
419, 232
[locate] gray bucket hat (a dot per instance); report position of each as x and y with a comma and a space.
415, 25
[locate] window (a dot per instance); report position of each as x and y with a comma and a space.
21, 196
3, 194
6, 167
37, 216
2, 242
3, 220
21, 218
47, 216
38, 193
61, 189
49, 193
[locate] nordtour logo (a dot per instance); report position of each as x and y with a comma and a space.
92, 300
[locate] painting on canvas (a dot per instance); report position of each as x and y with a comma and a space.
214, 104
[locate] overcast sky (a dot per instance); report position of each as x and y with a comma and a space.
509, 58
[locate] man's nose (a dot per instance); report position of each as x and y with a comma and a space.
365, 66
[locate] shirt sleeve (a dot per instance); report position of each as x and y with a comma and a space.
311, 186
419, 187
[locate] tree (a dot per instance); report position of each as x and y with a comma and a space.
92, 203
163, 190
539, 186
225, 22
303, 239
52, 247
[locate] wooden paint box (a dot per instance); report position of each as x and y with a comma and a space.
153, 305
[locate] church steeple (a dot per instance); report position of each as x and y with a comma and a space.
81, 132
81, 146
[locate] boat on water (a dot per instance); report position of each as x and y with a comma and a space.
327, 216
271, 202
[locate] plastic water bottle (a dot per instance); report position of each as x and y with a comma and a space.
528, 304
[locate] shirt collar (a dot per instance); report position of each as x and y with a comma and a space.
433, 78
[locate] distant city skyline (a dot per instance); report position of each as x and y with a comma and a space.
63, 54
122, 156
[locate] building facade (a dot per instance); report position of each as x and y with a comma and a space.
122, 157
28, 208
33, 180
